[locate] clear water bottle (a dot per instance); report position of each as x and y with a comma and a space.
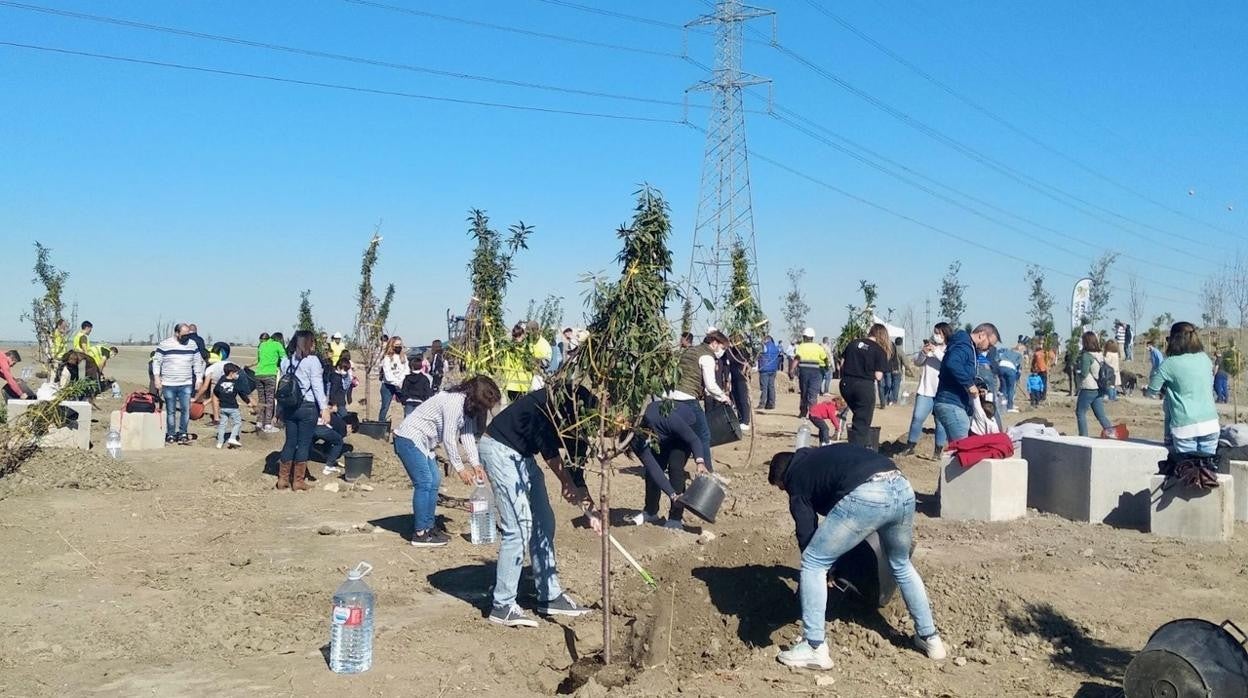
481, 514
27, 373
905, 397
116, 390
351, 624
113, 444
803, 436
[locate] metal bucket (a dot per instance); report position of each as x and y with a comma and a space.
357, 464
1190, 658
703, 497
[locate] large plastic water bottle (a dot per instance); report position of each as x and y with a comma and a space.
27, 372
803, 436
116, 391
481, 514
351, 624
113, 444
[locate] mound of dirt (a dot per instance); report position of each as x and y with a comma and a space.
60, 468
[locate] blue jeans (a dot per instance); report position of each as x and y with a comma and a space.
334, 444
1111, 394
922, 410
885, 388
1009, 378
767, 390
895, 396
387, 395
808, 380
526, 520
1207, 444
886, 507
826, 386
1090, 398
177, 399
300, 428
229, 414
954, 419
426, 476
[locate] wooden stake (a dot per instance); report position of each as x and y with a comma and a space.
604, 504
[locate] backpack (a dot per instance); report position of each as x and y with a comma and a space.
1106, 377
246, 383
139, 402
289, 395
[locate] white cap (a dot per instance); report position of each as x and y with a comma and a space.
711, 329
337, 335
809, 332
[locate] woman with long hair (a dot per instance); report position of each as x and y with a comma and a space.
1086, 372
303, 364
1110, 355
453, 418
1185, 379
863, 365
394, 368
928, 360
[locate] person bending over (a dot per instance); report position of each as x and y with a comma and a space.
675, 436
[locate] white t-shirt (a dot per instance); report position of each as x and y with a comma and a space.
215, 372
929, 370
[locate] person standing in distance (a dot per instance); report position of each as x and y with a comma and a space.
810, 362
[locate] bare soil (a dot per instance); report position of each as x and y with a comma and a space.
181, 572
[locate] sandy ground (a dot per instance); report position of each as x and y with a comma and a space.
181, 572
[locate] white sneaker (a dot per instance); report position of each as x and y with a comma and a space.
745, 427
644, 518
233, 442
1012, 409
332, 470
932, 646
220, 444
803, 656
674, 524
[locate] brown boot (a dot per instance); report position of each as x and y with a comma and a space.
283, 475
301, 470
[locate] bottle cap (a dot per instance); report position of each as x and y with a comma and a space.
359, 571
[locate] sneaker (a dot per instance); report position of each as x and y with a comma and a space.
511, 616
1013, 410
184, 440
429, 539
170, 438
333, 470
674, 524
220, 444
745, 427
269, 429
909, 450
644, 518
803, 656
562, 605
932, 646
233, 442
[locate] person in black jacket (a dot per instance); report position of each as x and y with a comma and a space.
670, 428
864, 364
417, 386
858, 492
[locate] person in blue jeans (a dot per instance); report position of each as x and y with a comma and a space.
955, 387
769, 360
529, 426
857, 492
300, 420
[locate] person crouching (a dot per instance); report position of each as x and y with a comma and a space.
857, 491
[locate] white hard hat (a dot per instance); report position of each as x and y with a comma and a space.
808, 332
337, 335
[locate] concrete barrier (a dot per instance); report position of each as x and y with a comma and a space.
1239, 472
1093, 480
75, 434
1181, 511
991, 490
142, 431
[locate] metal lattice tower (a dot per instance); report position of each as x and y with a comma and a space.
725, 211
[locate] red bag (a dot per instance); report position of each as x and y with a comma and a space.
140, 402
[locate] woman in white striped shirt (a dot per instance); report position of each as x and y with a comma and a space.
453, 418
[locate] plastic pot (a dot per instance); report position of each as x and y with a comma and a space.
1187, 658
375, 429
357, 464
703, 497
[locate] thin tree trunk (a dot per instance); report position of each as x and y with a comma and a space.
604, 502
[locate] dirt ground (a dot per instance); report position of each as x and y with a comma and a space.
181, 572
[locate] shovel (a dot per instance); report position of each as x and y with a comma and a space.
650, 581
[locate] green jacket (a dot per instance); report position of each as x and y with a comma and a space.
268, 355
1188, 381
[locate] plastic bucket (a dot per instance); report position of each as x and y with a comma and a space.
703, 497
375, 429
865, 568
722, 419
1187, 658
357, 464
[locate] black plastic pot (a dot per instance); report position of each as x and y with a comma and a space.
703, 497
872, 441
725, 427
1190, 658
375, 429
357, 464
864, 570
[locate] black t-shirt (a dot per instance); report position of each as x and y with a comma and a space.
530, 426
226, 394
862, 358
818, 478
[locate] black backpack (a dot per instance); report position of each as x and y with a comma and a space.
1106, 377
289, 395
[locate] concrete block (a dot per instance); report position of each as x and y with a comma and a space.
1181, 511
75, 434
142, 431
114, 421
1093, 480
991, 490
1239, 472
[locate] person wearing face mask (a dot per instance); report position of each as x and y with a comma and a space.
178, 369
955, 388
696, 379
928, 360
394, 368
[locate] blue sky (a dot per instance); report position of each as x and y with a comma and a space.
176, 194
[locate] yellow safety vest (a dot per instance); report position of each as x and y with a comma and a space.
811, 355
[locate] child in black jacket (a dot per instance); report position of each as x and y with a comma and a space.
417, 386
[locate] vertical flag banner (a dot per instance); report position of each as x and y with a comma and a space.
1079, 303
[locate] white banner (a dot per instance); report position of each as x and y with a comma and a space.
1079, 303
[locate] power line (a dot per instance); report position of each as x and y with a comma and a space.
612, 13
332, 56
339, 86
513, 30
944, 87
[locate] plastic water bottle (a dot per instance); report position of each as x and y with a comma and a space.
351, 624
803, 436
116, 390
113, 443
905, 397
481, 514
27, 372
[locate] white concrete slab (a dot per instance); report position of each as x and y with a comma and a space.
1093, 480
991, 490
1239, 472
1181, 511
76, 433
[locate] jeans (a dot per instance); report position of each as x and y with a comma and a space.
177, 399
886, 507
526, 520
922, 410
409, 408
859, 396
426, 476
767, 390
1009, 378
1090, 398
741, 399
672, 458
334, 444
822, 426
229, 414
300, 428
808, 379
826, 385
1111, 394
1207, 444
953, 418
885, 389
388, 392
266, 393
895, 396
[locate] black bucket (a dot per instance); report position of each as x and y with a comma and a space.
703, 497
1187, 658
357, 464
872, 441
865, 568
722, 419
375, 429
